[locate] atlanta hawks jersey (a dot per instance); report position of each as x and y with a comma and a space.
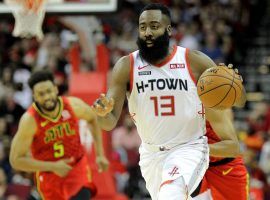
163, 100
56, 138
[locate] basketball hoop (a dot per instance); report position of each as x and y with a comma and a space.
29, 15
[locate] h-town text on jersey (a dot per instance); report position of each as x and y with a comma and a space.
162, 84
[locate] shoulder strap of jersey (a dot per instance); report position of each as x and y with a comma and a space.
67, 105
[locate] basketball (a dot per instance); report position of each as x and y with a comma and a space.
219, 87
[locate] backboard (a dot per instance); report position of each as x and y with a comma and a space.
73, 6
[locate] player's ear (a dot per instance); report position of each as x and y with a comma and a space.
169, 30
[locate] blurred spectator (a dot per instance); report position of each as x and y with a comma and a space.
11, 111
212, 49
258, 184
3, 128
259, 117
6, 82
22, 94
13, 197
4, 161
22, 178
126, 136
4, 188
85, 27
3, 184
126, 142
264, 160
46, 48
190, 39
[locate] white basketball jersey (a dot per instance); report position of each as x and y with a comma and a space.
164, 102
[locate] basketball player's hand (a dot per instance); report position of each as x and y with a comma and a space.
103, 105
62, 167
102, 163
230, 66
241, 99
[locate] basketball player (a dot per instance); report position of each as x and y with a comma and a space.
160, 83
227, 177
48, 143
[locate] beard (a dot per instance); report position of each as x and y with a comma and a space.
158, 51
49, 105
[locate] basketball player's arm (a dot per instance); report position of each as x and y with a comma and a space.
200, 62
222, 125
20, 147
84, 111
117, 91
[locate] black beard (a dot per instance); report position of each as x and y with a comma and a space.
45, 108
158, 51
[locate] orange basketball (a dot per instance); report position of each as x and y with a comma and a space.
219, 87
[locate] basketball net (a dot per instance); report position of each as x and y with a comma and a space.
29, 15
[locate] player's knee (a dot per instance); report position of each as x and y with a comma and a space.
174, 190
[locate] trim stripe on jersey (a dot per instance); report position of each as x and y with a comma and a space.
131, 66
165, 182
38, 186
168, 58
50, 118
88, 173
247, 186
189, 68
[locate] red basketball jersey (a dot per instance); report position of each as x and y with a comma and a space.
212, 138
56, 138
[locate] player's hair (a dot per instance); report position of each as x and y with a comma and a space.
40, 76
158, 6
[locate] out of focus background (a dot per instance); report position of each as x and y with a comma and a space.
81, 44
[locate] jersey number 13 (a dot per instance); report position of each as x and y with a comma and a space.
163, 105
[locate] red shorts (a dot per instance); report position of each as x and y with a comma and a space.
227, 181
52, 187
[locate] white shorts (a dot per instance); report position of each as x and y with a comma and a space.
164, 164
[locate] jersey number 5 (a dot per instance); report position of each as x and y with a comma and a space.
59, 150
164, 105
